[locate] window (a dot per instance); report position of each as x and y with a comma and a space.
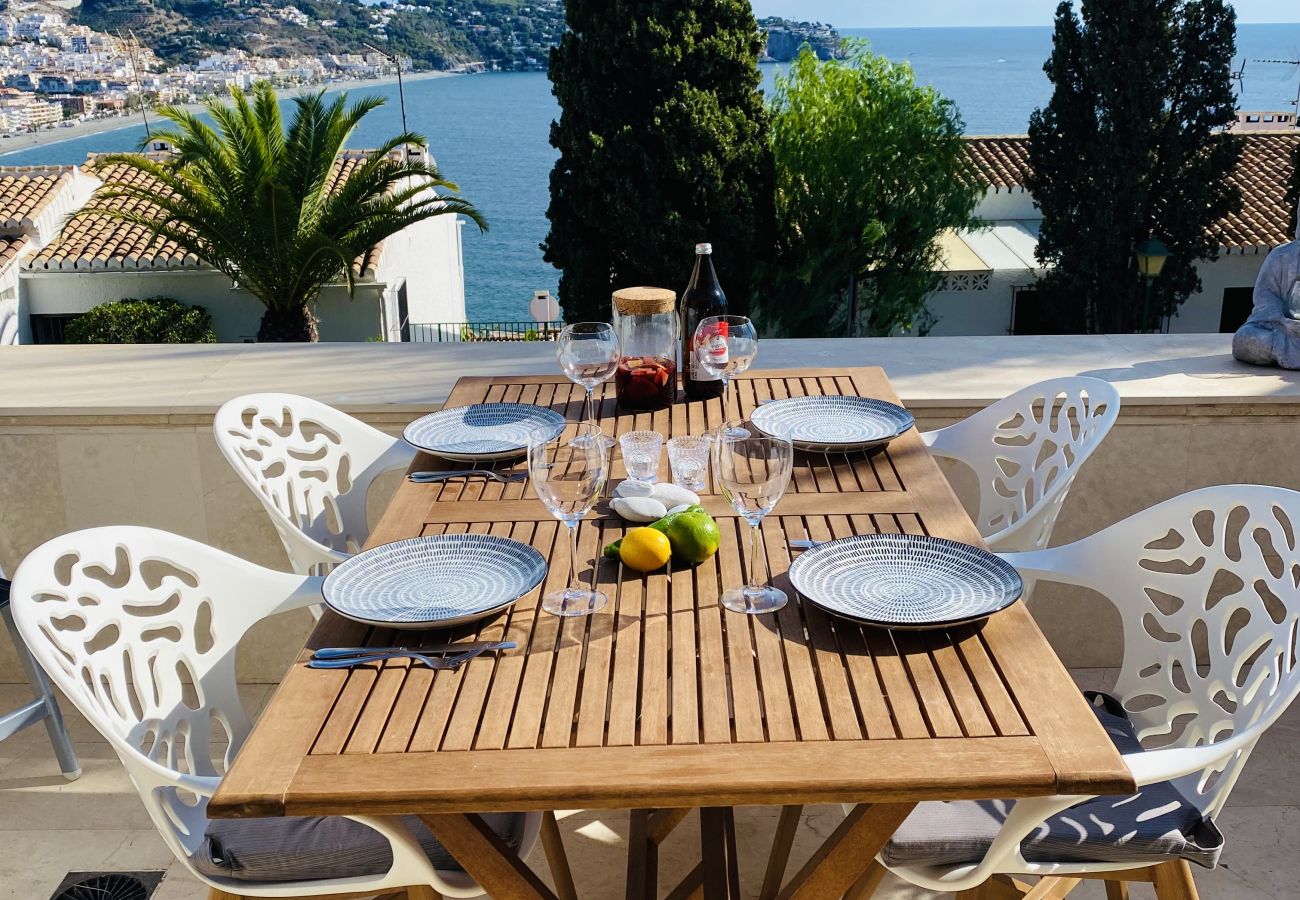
1039, 312
50, 329
1237, 306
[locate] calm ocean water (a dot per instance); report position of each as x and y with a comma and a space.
490, 133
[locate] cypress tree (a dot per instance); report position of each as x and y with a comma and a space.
1129, 148
663, 143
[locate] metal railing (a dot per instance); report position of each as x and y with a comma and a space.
482, 332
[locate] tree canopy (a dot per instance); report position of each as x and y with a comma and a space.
261, 204
1129, 148
663, 144
869, 175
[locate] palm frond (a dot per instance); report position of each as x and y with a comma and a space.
267, 205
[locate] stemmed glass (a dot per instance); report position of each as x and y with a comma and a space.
568, 471
726, 345
588, 354
753, 473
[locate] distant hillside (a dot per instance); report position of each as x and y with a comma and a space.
436, 34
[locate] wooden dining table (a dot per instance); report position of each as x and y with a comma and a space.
663, 702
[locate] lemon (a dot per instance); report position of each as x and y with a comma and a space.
694, 536
645, 550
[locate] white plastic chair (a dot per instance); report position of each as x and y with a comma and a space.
43, 707
139, 627
1206, 587
312, 467
1026, 450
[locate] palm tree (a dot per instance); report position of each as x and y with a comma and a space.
266, 207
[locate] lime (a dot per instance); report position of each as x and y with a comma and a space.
645, 550
694, 535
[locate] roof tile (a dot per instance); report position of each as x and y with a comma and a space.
1265, 171
97, 242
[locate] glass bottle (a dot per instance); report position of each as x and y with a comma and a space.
702, 298
645, 320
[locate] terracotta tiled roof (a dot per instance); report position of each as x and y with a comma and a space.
97, 242
26, 190
1263, 175
10, 247
999, 162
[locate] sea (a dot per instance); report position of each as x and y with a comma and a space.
490, 133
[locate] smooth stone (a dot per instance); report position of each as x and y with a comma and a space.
682, 508
639, 509
629, 489
672, 495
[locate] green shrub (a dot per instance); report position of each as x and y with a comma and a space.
158, 320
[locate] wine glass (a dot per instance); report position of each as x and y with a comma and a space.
568, 471
726, 345
753, 473
589, 354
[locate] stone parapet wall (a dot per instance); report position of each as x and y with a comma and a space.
122, 435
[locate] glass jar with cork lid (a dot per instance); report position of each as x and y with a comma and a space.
645, 320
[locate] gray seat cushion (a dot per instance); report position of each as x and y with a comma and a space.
312, 848
1155, 825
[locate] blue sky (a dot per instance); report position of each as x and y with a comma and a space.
891, 13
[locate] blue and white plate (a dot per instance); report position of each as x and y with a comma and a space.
906, 580
483, 432
833, 424
434, 582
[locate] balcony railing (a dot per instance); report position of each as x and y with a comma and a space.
483, 332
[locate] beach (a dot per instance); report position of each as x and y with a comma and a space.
58, 134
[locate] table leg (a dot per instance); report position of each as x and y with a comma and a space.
848, 853
786, 828
486, 857
648, 829
642, 858
720, 868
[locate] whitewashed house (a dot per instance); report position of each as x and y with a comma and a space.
990, 274
34, 201
414, 276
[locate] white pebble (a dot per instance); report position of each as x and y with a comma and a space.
682, 508
630, 488
639, 509
671, 495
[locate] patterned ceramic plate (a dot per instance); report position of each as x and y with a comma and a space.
485, 431
833, 424
906, 580
434, 582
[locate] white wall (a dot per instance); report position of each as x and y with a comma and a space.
989, 312
1016, 203
1201, 312
428, 256
236, 315
10, 323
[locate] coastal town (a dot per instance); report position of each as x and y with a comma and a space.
57, 73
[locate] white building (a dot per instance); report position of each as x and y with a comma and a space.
61, 271
990, 274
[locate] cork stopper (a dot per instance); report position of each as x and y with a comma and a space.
644, 301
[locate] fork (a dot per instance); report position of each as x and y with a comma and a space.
433, 662
434, 477
806, 545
